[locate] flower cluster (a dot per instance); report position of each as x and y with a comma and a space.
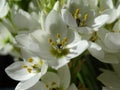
47, 35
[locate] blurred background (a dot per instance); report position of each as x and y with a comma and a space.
6, 83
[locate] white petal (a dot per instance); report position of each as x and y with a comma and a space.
57, 6
64, 74
113, 15
77, 48
100, 21
2, 3
101, 33
68, 18
111, 88
111, 58
118, 9
54, 24
71, 36
116, 26
112, 40
24, 85
106, 4
39, 85
50, 78
23, 20
96, 51
110, 79
26, 41
72, 87
116, 68
44, 45
4, 10
6, 49
17, 72
58, 63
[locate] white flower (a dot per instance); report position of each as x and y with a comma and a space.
6, 40
111, 79
81, 17
55, 81
56, 43
78, 15
28, 72
4, 8
107, 7
21, 20
107, 46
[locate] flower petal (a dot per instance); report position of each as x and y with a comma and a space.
77, 48
99, 23
106, 4
24, 85
110, 79
44, 44
112, 40
39, 85
68, 18
50, 78
26, 41
64, 74
4, 10
72, 87
54, 24
96, 51
17, 72
23, 20
112, 13
116, 26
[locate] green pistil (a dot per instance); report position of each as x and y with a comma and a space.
59, 53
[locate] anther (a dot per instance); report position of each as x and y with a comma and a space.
65, 39
85, 16
30, 60
24, 66
58, 35
29, 70
76, 15
50, 40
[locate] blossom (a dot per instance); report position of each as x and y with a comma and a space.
107, 46
56, 81
6, 40
107, 7
81, 17
22, 21
111, 79
4, 8
77, 14
56, 43
28, 72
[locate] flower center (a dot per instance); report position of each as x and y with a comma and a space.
58, 48
80, 19
52, 86
33, 66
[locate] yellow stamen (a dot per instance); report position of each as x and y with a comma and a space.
50, 40
65, 39
85, 16
29, 70
34, 66
53, 83
58, 35
76, 15
24, 66
30, 60
40, 62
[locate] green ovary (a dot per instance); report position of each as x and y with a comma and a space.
59, 53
